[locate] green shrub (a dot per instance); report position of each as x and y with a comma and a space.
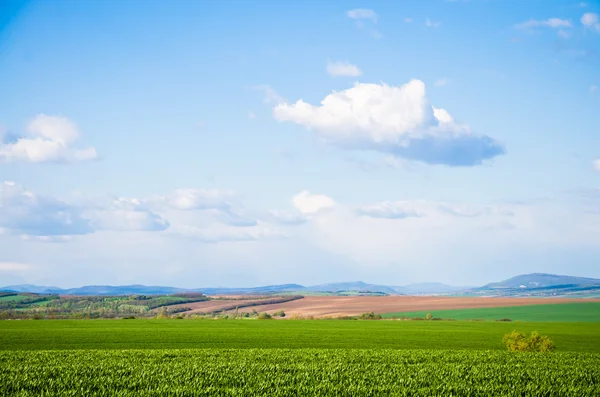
370, 316
428, 316
264, 316
519, 342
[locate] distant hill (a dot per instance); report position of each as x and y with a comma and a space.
106, 290
541, 280
267, 289
36, 289
352, 286
535, 284
432, 288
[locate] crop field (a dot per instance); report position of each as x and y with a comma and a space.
334, 306
247, 334
202, 357
307, 372
580, 312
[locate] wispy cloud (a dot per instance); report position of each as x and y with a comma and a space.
593, 89
362, 13
408, 20
432, 24
342, 68
590, 21
596, 165
441, 82
365, 19
271, 97
554, 23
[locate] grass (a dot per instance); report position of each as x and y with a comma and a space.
13, 298
562, 312
238, 334
306, 372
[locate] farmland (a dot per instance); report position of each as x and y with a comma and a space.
249, 334
334, 306
579, 311
298, 372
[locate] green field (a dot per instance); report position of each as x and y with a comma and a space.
306, 372
204, 357
562, 312
246, 334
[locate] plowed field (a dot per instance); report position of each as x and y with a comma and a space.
324, 306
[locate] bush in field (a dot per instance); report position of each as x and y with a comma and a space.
280, 313
264, 316
519, 342
428, 316
370, 316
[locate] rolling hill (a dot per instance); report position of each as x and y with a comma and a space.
534, 284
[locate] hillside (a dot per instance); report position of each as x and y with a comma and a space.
541, 280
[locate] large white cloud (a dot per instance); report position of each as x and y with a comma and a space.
23, 212
48, 219
308, 203
48, 139
397, 120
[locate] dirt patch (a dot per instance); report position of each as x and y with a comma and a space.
324, 306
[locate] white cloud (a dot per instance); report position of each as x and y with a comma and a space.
194, 199
365, 18
432, 24
287, 217
554, 23
127, 215
395, 120
251, 115
308, 203
219, 235
48, 139
14, 267
408, 20
593, 88
426, 236
362, 13
597, 165
441, 82
47, 239
391, 210
47, 219
590, 21
340, 68
23, 212
583, 4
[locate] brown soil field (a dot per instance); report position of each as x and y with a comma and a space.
215, 305
325, 306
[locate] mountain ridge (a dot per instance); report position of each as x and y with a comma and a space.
537, 282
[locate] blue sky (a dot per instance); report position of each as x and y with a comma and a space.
238, 143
